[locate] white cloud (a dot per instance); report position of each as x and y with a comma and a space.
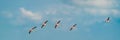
30, 14
99, 7
96, 3
101, 11
94, 7
60, 9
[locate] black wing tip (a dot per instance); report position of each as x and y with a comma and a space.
75, 24
29, 32
70, 29
46, 20
35, 26
55, 27
42, 27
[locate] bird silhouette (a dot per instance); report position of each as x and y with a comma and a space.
107, 20
74, 26
32, 29
57, 24
44, 24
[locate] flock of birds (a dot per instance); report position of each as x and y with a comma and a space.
58, 23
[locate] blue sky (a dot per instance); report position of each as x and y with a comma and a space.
18, 16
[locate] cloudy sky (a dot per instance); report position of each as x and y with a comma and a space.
17, 17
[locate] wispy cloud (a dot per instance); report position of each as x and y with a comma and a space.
97, 7
94, 7
30, 14
96, 3
102, 12
59, 9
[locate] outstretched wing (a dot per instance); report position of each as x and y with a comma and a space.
73, 27
56, 25
44, 24
107, 20
70, 29
32, 29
